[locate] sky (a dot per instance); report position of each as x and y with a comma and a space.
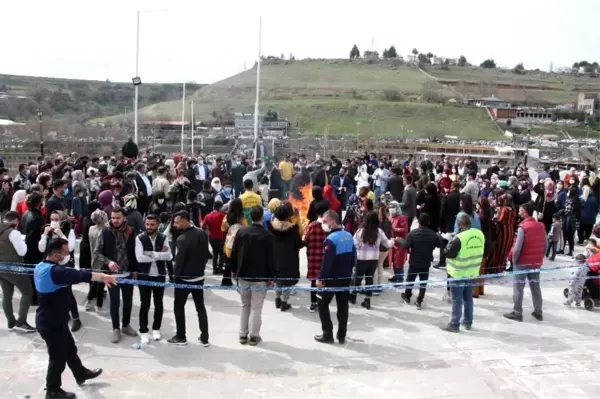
206, 41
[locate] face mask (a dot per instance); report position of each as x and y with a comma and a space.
65, 192
65, 260
392, 211
160, 200
444, 175
571, 181
200, 162
559, 188
55, 225
520, 188
325, 227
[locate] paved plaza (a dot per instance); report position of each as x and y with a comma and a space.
393, 351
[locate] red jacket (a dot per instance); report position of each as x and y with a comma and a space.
593, 263
532, 251
399, 230
213, 222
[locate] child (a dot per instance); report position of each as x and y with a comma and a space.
554, 236
212, 222
577, 282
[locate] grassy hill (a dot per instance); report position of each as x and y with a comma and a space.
381, 100
20, 96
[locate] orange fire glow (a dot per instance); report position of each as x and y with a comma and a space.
303, 204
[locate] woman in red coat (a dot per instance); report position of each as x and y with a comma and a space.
445, 182
334, 203
399, 230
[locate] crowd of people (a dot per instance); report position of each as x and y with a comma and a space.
158, 219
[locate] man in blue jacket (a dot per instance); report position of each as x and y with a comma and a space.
52, 282
336, 272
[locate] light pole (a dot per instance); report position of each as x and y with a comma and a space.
40, 114
136, 80
357, 136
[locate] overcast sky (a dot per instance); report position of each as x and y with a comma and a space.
205, 41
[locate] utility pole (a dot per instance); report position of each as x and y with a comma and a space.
357, 137
40, 114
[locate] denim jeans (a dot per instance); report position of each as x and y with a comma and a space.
462, 293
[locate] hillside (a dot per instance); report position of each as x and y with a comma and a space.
380, 100
80, 100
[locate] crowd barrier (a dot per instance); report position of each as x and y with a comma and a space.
495, 279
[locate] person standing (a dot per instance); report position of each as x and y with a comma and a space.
57, 201
212, 223
253, 266
450, 207
336, 272
421, 242
343, 186
190, 263
314, 239
249, 199
287, 172
464, 255
12, 250
144, 189
53, 282
409, 199
32, 224
152, 253
116, 252
527, 256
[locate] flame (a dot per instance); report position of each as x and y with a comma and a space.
302, 201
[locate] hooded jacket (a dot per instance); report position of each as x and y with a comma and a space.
286, 247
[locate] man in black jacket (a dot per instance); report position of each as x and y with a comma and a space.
396, 185
57, 201
450, 208
421, 242
253, 266
144, 188
190, 262
32, 224
152, 253
116, 252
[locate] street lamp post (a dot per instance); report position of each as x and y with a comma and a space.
357, 136
40, 114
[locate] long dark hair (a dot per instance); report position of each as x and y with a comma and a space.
466, 203
431, 189
370, 228
573, 193
235, 212
485, 211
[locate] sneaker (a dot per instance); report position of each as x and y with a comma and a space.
419, 305
130, 332
116, 336
57, 393
538, 316
144, 338
405, 298
243, 340
366, 304
100, 309
514, 316
89, 375
313, 307
24, 327
578, 304
11, 326
76, 325
156, 335
204, 343
277, 303
324, 339
567, 303
285, 306
450, 328
88, 305
177, 341
467, 326
341, 340
254, 341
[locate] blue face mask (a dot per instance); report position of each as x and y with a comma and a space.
65, 192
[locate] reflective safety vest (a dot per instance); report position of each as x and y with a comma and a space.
468, 260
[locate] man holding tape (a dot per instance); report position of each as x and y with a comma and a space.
463, 255
53, 281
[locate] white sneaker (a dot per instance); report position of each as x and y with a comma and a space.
156, 335
144, 338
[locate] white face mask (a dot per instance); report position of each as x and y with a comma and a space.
65, 260
444, 175
55, 225
160, 200
325, 227
392, 211
571, 181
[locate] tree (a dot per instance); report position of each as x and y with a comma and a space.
385, 53
282, 56
354, 53
489, 63
415, 51
391, 53
430, 55
446, 64
292, 58
423, 59
462, 61
519, 69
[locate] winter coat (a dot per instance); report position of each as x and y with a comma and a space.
286, 247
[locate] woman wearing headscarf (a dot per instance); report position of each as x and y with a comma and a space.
286, 246
362, 178
134, 217
317, 195
233, 221
545, 202
571, 217
91, 230
589, 211
524, 192
334, 203
158, 204
486, 223
432, 206
399, 229
504, 228
268, 215
445, 182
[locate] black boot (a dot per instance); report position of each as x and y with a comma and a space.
278, 303
76, 325
366, 303
285, 306
352, 299
57, 393
89, 375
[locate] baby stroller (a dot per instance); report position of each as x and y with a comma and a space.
589, 294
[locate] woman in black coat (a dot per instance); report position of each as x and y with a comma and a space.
286, 246
432, 206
